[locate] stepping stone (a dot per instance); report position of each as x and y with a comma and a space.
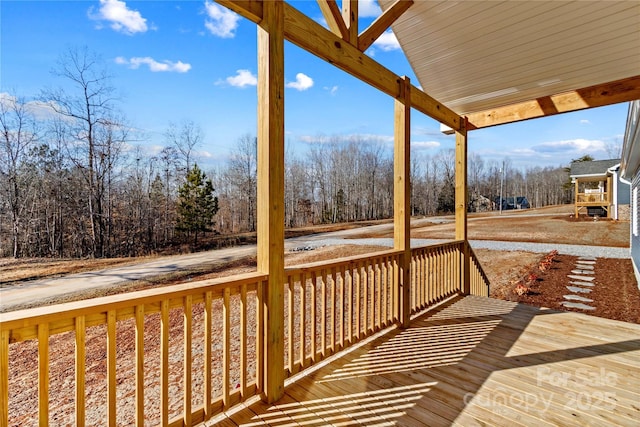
578, 305
581, 261
585, 267
586, 258
581, 283
589, 278
582, 272
577, 298
579, 290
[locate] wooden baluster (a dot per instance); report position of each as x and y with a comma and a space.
243, 341
43, 374
165, 327
4, 378
323, 312
385, 289
356, 281
342, 306
139, 349
291, 320
313, 319
226, 345
260, 326
188, 338
333, 309
80, 357
208, 354
303, 319
350, 302
111, 368
364, 278
378, 293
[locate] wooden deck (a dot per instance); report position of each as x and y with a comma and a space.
476, 361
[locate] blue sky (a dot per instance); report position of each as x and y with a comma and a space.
194, 60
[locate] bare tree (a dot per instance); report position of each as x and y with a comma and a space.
95, 132
19, 134
242, 175
184, 137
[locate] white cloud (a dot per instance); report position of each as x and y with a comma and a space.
242, 78
122, 19
369, 9
221, 21
585, 122
425, 145
387, 42
577, 145
154, 66
41, 110
303, 82
332, 90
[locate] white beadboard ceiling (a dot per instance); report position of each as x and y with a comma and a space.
478, 55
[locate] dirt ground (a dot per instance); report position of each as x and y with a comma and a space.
617, 297
615, 293
549, 229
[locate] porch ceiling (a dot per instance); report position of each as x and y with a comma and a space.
476, 57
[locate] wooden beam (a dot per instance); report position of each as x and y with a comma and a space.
461, 207
350, 17
314, 38
311, 36
333, 16
250, 9
594, 96
402, 197
271, 192
382, 22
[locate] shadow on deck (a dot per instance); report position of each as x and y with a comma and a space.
475, 361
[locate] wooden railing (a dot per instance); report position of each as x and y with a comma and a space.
479, 281
333, 305
435, 274
196, 349
176, 378
599, 198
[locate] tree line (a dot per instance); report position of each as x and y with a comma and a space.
73, 182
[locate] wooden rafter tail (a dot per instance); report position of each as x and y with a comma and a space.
380, 25
333, 16
615, 92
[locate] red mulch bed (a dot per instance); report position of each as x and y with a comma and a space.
615, 294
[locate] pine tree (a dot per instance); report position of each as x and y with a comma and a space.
196, 204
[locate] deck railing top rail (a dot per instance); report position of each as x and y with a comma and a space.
22, 319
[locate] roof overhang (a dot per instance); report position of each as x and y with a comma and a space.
501, 62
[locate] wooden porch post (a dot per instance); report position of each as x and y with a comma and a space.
609, 196
270, 209
461, 201
402, 197
575, 198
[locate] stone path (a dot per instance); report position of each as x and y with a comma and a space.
581, 284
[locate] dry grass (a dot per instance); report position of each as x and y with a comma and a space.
13, 270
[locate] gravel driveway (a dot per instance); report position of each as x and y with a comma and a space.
576, 250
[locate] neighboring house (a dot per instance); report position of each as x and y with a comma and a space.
630, 172
599, 189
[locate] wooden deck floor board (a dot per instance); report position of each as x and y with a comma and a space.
474, 362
